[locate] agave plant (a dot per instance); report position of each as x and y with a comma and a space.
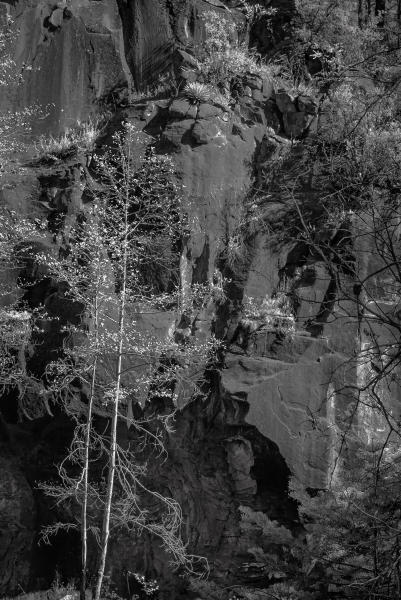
198, 92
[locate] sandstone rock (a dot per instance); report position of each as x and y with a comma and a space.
17, 527
271, 114
241, 460
307, 104
188, 59
267, 87
182, 109
285, 102
295, 123
79, 66
257, 95
244, 132
281, 397
148, 39
206, 111
150, 111
174, 132
56, 18
189, 75
250, 113
253, 81
204, 132
246, 101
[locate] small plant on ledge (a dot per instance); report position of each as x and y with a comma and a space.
81, 138
273, 313
198, 93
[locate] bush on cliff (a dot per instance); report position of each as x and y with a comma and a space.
80, 138
222, 57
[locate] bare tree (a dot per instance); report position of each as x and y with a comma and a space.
130, 231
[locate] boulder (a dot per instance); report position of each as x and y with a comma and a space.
253, 81
267, 87
187, 59
285, 102
295, 123
204, 132
175, 131
182, 109
206, 111
307, 104
189, 75
271, 115
257, 95
56, 18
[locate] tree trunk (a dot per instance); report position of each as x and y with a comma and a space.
84, 508
113, 433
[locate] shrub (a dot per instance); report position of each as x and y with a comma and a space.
236, 249
198, 92
82, 138
222, 57
273, 312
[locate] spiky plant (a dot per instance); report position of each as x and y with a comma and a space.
198, 92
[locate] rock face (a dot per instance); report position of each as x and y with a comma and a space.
17, 526
271, 410
75, 56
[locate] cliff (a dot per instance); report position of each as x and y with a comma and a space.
270, 410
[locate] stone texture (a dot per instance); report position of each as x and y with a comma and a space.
182, 109
17, 527
253, 81
287, 404
73, 60
187, 58
175, 131
295, 123
148, 39
56, 18
206, 111
204, 132
240, 462
257, 95
307, 105
189, 75
267, 87
285, 102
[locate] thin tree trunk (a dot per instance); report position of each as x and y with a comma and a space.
84, 508
113, 433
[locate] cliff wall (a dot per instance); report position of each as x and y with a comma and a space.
271, 410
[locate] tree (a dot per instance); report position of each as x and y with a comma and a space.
120, 262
